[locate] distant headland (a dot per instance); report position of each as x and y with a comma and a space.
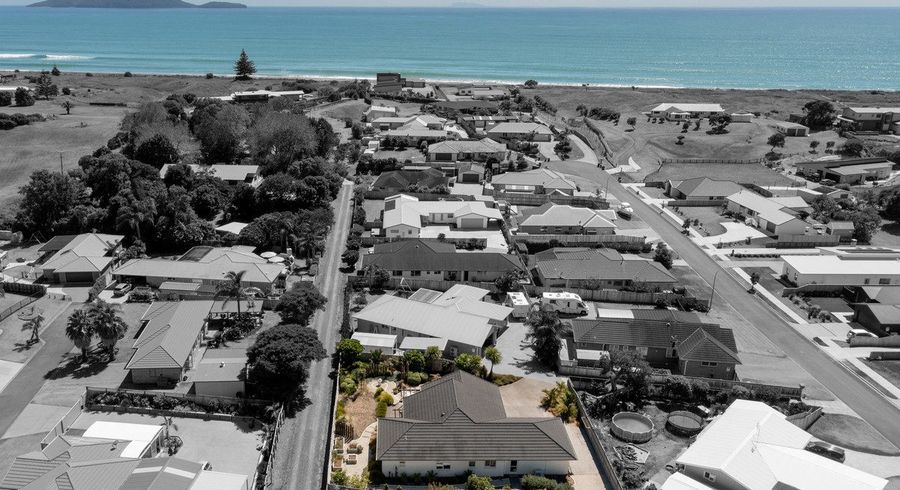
135, 4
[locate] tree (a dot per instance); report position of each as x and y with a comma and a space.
819, 114
853, 147
349, 351
892, 207
754, 279
220, 129
432, 357
680, 139
67, 105
108, 325
530, 83
813, 145
469, 363
232, 287
378, 277
414, 361
563, 148
475, 482
632, 121
45, 87
663, 255
23, 97
157, 151
632, 371
776, 140
280, 357
80, 330
48, 200
865, 224
545, 333
507, 282
350, 257
243, 67
55, 71
298, 304
35, 325
375, 360
492, 354
6, 99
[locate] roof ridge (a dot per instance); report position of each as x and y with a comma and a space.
540, 427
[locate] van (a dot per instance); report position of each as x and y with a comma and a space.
519, 304
565, 303
859, 332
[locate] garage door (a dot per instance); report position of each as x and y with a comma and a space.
471, 223
78, 277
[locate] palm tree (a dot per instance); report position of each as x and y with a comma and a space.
232, 288
108, 324
492, 354
308, 238
545, 332
80, 330
375, 361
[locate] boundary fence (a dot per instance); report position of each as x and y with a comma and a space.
607, 472
711, 160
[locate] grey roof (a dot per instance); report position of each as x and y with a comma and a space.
703, 346
704, 186
432, 255
168, 337
465, 414
599, 267
156, 474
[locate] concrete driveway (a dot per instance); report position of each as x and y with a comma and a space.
518, 355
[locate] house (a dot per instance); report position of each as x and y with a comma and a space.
600, 268
394, 83
742, 117
486, 92
414, 133
455, 319
170, 333
201, 269
850, 171
405, 216
753, 447
537, 181
701, 189
880, 119
427, 120
676, 340
405, 180
384, 343
846, 270
433, 259
791, 129
521, 131
470, 173
263, 95
778, 216
378, 111
231, 174
485, 122
113, 456
679, 111
78, 259
842, 229
880, 319
566, 220
478, 150
466, 414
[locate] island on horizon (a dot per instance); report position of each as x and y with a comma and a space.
136, 4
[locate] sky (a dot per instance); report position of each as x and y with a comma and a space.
558, 3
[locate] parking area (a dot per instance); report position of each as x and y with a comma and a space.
517, 355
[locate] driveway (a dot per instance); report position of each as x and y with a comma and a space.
303, 447
517, 355
589, 157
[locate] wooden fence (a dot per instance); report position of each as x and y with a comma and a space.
861, 341
435, 284
804, 241
610, 295
783, 392
368, 241
711, 160
26, 288
267, 479
607, 472
806, 419
522, 199
815, 290
605, 240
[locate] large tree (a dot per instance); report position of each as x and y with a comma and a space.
233, 288
298, 304
48, 200
279, 360
279, 138
156, 150
108, 325
220, 129
244, 67
819, 114
545, 331
80, 330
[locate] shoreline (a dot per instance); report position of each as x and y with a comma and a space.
451, 82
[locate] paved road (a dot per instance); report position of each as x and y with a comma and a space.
877, 411
303, 446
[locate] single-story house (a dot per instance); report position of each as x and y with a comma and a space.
841, 270
485, 122
221, 372
463, 325
201, 270
567, 220
478, 150
404, 180
231, 174
701, 189
877, 318
677, 340
881, 119
377, 111
470, 172
601, 268
848, 171
679, 111
426, 120
81, 259
384, 343
537, 181
466, 415
488, 92
170, 333
413, 133
405, 216
433, 259
791, 129
522, 131
777, 216
752, 446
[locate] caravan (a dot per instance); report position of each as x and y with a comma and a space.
566, 303
519, 303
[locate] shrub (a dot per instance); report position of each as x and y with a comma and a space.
23, 97
415, 379
6, 125
348, 385
5, 99
560, 401
381, 408
210, 76
66, 91
88, 74
536, 482
128, 74
386, 397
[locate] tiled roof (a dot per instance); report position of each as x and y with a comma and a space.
432, 255
599, 267
466, 415
519, 128
485, 145
82, 253
704, 186
565, 215
702, 346
540, 176
211, 271
168, 337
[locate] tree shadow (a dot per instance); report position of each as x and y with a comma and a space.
24, 346
76, 369
892, 228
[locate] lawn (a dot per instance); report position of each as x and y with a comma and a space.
889, 370
852, 433
352, 110
741, 173
710, 218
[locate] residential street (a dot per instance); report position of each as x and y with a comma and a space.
877, 411
303, 445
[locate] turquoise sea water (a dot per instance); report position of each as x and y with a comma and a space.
728, 48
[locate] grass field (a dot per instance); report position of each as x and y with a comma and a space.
746, 173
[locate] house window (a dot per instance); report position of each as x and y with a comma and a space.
709, 476
415, 273
884, 281
471, 464
709, 364
866, 281
449, 215
441, 466
490, 463
397, 273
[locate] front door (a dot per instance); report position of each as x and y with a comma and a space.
514, 466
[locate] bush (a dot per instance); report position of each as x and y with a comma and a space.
536, 482
5, 99
128, 74
386, 397
23, 97
210, 76
66, 91
6, 125
415, 379
348, 385
381, 409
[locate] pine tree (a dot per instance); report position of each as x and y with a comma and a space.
243, 67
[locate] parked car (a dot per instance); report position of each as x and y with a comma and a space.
859, 332
827, 450
121, 289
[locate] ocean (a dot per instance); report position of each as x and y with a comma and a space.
711, 48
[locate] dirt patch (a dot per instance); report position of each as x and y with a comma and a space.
852, 433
